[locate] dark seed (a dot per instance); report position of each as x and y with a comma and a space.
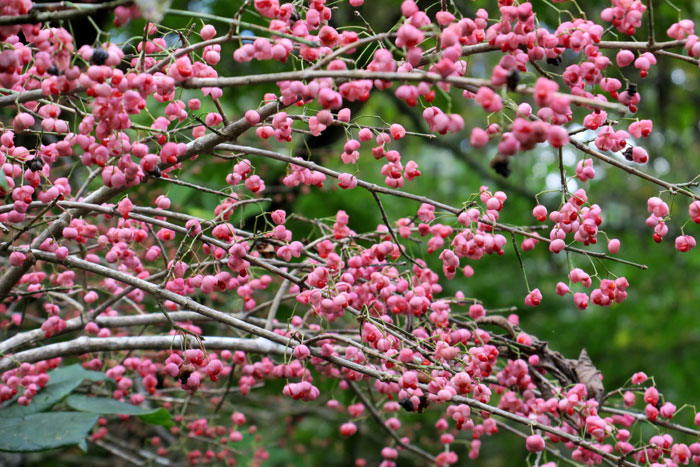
512, 79
406, 404
556, 61
628, 154
99, 56
500, 165
35, 164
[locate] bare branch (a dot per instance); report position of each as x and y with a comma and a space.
82, 345
632, 171
421, 199
471, 84
79, 9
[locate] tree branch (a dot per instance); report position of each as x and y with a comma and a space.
632, 171
80, 9
471, 84
372, 188
82, 345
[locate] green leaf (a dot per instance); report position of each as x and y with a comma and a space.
45, 399
40, 431
63, 381
159, 417
74, 372
105, 405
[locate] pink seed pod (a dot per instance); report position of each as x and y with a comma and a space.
62, 252
91, 297
667, 410
478, 138
301, 352
476, 311
279, 216
614, 246
22, 122
562, 289
397, 131
207, 32
534, 443
540, 213
252, 117
17, 258
365, 134
348, 429
534, 298
624, 58
347, 181
344, 115
557, 245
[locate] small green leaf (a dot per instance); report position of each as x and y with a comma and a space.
105, 405
45, 399
63, 381
74, 372
159, 417
40, 431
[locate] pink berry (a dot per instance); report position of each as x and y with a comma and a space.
667, 410
581, 300
540, 213
344, 115
685, 243
17, 258
534, 443
476, 311
639, 378
252, 117
534, 298
562, 289
301, 352
397, 131
479, 138
348, 429
207, 32
365, 134
557, 245
624, 58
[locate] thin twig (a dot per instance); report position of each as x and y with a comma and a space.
276, 303
80, 9
631, 170
391, 230
375, 414
650, 14
421, 199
